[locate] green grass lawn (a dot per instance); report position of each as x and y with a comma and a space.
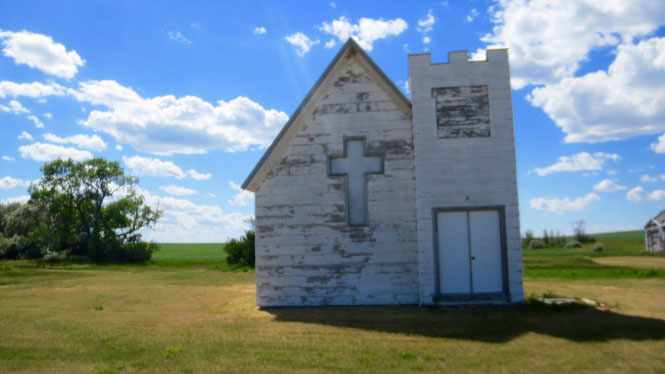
187, 312
190, 251
635, 237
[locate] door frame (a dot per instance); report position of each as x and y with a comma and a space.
493, 296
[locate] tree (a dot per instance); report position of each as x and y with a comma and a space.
91, 208
580, 233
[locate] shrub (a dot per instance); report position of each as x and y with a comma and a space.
598, 248
138, 252
580, 233
18, 247
127, 253
241, 251
536, 244
528, 237
54, 257
588, 239
9, 248
573, 244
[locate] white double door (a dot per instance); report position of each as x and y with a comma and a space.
469, 252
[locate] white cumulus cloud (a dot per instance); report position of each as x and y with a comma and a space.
560, 206
366, 31
14, 107
165, 125
25, 136
260, 30
177, 190
36, 121
472, 15
7, 158
18, 199
198, 176
648, 178
302, 42
33, 90
426, 24
242, 197
93, 143
638, 194
626, 101
579, 162
542, 50
154, 167
185, 221
608, 185
659, 146
48, 152
8, 182
41, 52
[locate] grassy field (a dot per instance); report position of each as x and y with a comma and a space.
186, 312
585, 263
189, 251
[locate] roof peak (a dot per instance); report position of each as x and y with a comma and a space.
350, 43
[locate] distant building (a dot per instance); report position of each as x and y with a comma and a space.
654, 233
366, 197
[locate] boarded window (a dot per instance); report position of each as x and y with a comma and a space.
462, 111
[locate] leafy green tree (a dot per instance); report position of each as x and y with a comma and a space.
90, 208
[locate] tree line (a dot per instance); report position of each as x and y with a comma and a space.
87, 210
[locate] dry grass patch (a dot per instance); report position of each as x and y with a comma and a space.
638, 297
642, 262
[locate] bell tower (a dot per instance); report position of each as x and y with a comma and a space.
469, 246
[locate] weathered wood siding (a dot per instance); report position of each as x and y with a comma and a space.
306, 253
474, 166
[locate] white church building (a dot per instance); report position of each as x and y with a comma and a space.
368, 198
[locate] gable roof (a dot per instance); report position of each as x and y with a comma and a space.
349, 45
658, 220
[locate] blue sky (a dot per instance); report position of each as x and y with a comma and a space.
188, 95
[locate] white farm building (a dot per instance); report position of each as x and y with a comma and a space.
654, 233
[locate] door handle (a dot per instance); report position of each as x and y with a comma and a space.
473, 257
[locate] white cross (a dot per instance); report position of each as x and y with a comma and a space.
355, 165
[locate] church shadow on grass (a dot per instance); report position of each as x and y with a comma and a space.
487, 324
